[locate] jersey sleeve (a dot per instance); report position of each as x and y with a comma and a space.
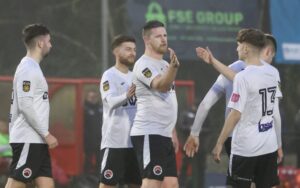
145, 73
109, 91
107, 86
220, 84
26, 84
239, 94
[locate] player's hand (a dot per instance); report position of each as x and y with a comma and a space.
217, 153
280, 155
131, 91
191, 145
51, 141
205, 54
173, 59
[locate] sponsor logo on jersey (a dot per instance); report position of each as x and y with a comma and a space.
45, 96
263, 127
147, 73
26, 86
27, 173
235, 97
157, 170
108, 174
106, 86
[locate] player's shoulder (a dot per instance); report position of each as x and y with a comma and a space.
238, 65
141, 63
28, 68
270, 67
109, 73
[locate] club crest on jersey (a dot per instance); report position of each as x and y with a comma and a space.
235, 97
157, 170
147, 73
108, 174
27, 173
105, 86
26, 86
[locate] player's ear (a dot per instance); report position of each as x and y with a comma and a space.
115, 51
39, 42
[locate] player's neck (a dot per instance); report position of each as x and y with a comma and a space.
253, 60
153, 54
34, 55
121, 67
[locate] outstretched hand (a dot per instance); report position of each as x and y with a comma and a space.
205, 55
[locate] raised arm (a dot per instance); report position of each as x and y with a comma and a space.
164, 82
207, 56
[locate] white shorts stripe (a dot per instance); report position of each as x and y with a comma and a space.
146, 151
230, 165
24, 154
104, 159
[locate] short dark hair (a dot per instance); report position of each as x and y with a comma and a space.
118, 40
254, 37
272, 39
33, 30
150, 25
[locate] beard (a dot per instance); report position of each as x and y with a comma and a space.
128, 61
162, 49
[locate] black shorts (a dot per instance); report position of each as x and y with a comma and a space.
262, 170
156, 156
119, 166
30, 160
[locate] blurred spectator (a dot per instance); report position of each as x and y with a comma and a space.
199, 160
92, 132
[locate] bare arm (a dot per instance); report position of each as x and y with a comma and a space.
164, 82
277, 122
207, 56
230, 122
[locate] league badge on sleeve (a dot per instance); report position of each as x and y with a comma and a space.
26, 86
105, 86
147, 73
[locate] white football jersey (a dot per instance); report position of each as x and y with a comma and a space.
117, 120
254, 93
156, 111
29, 81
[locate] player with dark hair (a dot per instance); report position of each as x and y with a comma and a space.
254, 143
119, 164
153, 134
29, 115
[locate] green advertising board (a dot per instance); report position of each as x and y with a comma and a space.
192, 23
